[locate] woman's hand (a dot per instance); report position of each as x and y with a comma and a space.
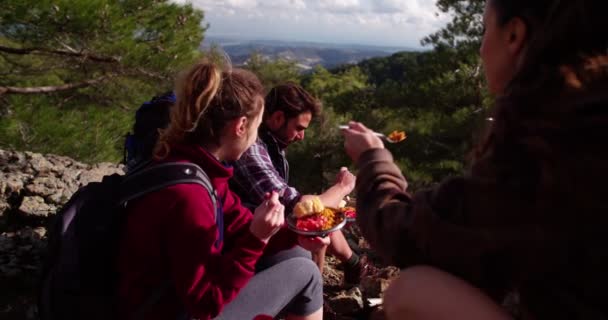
268, 218
313, 244
359, 139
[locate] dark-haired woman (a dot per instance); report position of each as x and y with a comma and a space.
531, 216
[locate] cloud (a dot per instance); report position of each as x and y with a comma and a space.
337, 6
283, 4
393, 22
388, 6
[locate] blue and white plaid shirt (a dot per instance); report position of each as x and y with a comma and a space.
262, 169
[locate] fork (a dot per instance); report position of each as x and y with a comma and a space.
380, 135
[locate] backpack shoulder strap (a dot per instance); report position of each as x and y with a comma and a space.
164, 175
154, 178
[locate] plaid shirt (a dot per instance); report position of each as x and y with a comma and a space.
262, 169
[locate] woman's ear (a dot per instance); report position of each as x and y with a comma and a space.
517, 36
241, 126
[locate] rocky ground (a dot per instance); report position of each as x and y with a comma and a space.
33, 186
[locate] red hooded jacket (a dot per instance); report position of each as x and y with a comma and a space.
171, 237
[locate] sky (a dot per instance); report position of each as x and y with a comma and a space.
401, 23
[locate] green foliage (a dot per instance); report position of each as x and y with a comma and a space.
81, 131
438, 97
439, 101
315, 161
319, 157
272, 72
73, 71
329, 86
103, 36
465, 30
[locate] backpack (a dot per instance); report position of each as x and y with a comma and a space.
79, 280
149, 118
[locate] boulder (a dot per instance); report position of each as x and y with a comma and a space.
347, 301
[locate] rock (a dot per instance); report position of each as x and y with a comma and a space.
38, 163
98, 172
373, 286
34, 185
31, 235
347, 302
21, 252
12, 161
3, 207
331, 276
44, 186
14, 182
35, 206
3, 178
389, 273
59, 197
60, 163
71, 176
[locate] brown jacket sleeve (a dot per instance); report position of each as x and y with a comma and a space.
456, 226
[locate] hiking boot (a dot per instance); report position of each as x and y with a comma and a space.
353, 275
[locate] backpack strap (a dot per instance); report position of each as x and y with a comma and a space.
164, 175
157, 177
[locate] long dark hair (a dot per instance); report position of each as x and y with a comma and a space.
565, 52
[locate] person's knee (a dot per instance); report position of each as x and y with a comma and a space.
308, 269
424, 292
404, 293
307, 274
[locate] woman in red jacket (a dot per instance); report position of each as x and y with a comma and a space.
172, 236
527, 225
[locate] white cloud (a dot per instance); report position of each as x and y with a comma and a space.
391, 22
389, 6
284, 4
337, 6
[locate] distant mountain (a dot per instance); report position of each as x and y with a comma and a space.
305, 54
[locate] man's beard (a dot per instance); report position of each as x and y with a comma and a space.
281, 136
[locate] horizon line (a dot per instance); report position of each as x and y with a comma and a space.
247, 38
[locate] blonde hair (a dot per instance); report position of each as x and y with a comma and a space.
207, 98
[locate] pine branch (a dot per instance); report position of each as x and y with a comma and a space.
69, 53
49, 89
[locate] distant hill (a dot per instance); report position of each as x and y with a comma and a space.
305, 54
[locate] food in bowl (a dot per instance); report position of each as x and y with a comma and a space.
349, 212
312, 215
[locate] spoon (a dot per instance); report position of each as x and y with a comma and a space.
380, 135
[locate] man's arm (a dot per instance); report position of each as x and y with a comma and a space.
255, 174
345, 183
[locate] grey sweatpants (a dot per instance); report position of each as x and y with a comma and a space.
286, 283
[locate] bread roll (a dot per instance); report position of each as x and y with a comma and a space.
308, 208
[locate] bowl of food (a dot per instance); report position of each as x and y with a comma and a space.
312, 218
